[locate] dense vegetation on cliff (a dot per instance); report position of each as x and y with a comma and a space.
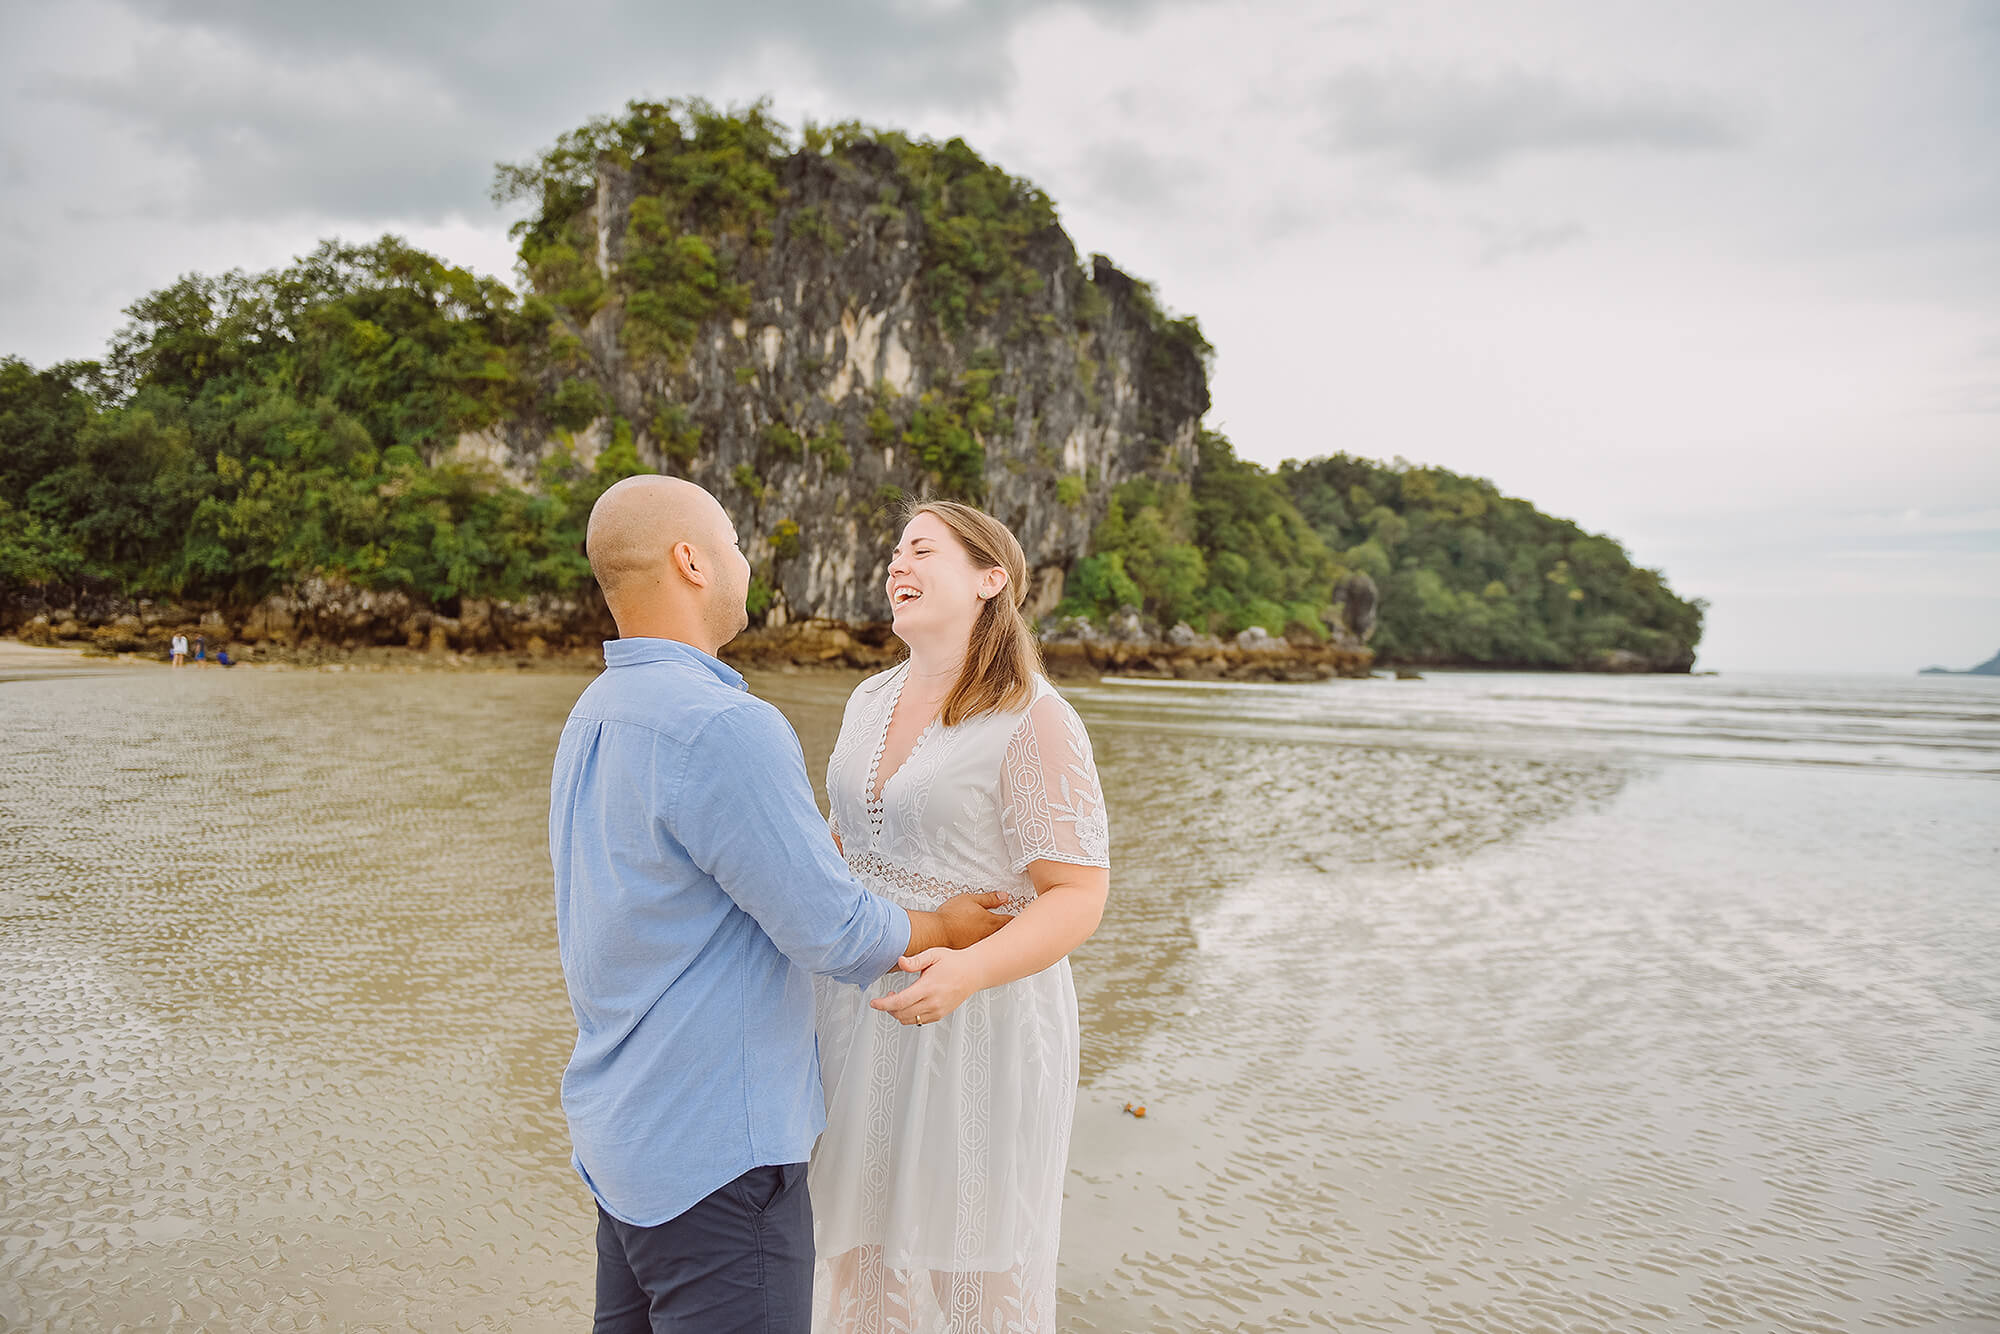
1463, 573
244, 432
693, 306
1467, 574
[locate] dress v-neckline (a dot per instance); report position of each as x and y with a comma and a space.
877, 789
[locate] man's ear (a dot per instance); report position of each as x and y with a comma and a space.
689, 563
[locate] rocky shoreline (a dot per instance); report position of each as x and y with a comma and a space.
325, 623
317, 620
1069, 653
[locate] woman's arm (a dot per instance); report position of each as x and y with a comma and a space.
1069, 903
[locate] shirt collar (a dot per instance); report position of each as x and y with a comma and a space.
635, 651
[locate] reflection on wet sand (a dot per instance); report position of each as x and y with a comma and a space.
281, 950
1433, 1034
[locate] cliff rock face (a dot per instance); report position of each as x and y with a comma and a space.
814, 358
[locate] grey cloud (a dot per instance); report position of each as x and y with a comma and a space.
279, 140
1916, 546
1282, 219
380, 110
1511, 240
1291, 214
1975, 399
1126, 174
909, 53
1455, 127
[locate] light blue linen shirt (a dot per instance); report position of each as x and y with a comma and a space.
697, 891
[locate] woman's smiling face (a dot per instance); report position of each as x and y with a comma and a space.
933, 584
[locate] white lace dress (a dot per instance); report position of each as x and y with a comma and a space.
937, 1187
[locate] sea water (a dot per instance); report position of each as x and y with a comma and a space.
1481, 1002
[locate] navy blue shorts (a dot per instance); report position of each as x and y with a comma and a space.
739, 1262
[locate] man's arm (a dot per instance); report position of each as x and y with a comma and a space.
744, 810
960, 922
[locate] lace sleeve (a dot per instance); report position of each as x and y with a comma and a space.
1051, 808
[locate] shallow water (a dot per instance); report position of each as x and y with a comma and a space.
1476, 1003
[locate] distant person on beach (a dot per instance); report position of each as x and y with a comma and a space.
201, 648
939, 1180
179, 650
697, 895
223, 659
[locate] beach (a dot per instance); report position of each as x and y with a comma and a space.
1482, 1002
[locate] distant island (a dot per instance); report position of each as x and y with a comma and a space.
1991, 667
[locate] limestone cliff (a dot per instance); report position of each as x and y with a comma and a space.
837, 326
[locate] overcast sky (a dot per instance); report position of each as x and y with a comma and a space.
1721, 280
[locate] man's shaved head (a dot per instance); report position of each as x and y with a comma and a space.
635, 530
634, 525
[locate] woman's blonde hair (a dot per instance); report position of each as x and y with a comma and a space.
1001, 657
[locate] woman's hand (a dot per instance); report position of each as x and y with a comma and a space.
947, 978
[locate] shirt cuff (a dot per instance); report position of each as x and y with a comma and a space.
893, 945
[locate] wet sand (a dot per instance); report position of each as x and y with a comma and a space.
1472, 1004
18, 657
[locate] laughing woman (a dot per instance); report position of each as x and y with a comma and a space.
938, 1183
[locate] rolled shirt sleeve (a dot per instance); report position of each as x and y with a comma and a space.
746, 816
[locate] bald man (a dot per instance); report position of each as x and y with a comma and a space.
697, 892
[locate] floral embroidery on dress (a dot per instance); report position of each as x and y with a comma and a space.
1054, 808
